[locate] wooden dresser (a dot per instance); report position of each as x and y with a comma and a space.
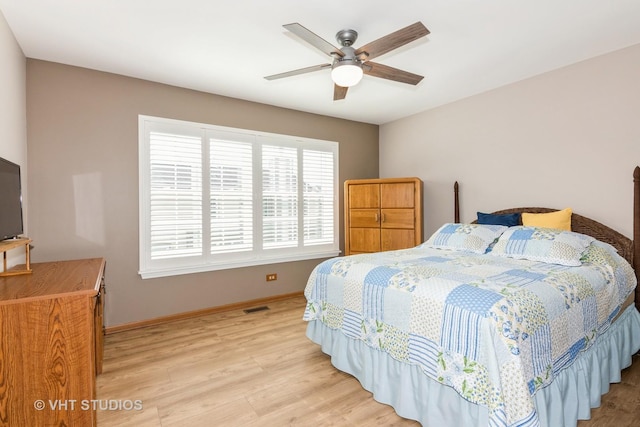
382, 214
51, 323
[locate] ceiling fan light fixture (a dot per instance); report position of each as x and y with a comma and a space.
346, 73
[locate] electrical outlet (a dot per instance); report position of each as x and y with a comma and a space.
272, 277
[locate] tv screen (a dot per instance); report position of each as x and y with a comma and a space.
10, 200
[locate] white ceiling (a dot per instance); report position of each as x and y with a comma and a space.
227, 47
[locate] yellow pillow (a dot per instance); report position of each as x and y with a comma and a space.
560, 219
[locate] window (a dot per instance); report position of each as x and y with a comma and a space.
213, 198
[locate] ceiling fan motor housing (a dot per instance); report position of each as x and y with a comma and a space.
349, 56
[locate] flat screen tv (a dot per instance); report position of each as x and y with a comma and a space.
11, 224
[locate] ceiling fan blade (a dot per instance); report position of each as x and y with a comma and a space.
298, 71
385, 72
314, 40
339, 92
392, 41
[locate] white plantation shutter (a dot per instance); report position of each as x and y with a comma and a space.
279, 197
175, 195
318, 195
231, 184
214, 198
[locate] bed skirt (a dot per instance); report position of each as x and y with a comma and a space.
413, 395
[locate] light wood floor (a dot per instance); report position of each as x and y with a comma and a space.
259, 369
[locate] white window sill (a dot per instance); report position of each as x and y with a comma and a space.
151, 273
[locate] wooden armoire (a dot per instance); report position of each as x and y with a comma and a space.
382, 214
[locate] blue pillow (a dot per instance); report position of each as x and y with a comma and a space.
510, 220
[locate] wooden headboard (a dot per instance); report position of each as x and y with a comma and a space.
627, 248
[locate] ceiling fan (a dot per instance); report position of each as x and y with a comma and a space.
349, 64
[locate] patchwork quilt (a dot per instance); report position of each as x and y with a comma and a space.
494, 328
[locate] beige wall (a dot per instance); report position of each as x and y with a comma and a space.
13, 114
567, 138
83, 181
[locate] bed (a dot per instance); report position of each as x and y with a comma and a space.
485, 324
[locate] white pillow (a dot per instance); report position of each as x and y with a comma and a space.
474, 238
549, 245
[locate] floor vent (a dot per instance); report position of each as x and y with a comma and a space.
253, 310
